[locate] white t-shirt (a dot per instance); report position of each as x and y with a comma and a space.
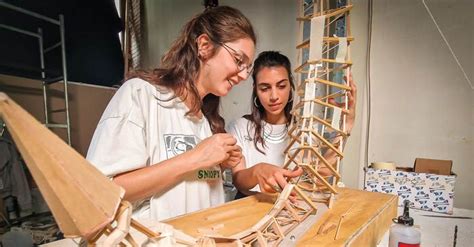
276, 140
141, 127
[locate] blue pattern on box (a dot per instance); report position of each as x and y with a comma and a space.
425, 191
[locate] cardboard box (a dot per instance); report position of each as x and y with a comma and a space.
430, 192
440, 167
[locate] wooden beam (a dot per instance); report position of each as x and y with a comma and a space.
305, 44
82, 200
327, 14
299, 69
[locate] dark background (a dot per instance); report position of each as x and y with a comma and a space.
93, 48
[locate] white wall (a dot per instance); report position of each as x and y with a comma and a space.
422, 105
164, 20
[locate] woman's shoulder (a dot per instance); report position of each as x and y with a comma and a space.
239, 122
134, 93
135, 85
242, 125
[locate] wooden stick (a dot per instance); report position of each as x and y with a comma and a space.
316, 174
324, 60
330, 126
338, 227
326, 163
330, 105
306, 199
333, 95
143, 229
329, 13
333, 84
340, 221
328, 144
305, 44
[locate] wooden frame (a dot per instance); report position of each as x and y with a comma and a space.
310, 134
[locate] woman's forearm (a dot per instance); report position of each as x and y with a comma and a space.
155, 179
245, 179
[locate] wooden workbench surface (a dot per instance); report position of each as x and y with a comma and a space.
368, 216
227, 219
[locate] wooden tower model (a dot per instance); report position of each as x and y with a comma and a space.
318, 132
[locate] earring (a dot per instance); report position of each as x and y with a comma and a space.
255, 102
291, 98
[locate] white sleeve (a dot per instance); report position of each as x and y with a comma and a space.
118, 146
119, 141
235, 129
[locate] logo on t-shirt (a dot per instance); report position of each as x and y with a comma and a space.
210, 174
178, 144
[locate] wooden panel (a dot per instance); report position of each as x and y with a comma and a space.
368, 218
227, 219
81, 198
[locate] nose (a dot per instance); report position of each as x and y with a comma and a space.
243, 74
273, 95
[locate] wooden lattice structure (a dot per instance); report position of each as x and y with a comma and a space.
318, 131
87, 204
279, 221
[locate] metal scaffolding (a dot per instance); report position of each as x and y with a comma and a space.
46, 81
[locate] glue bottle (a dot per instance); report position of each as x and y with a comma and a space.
403, 234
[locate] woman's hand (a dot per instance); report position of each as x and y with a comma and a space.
215, 150
272, 178
235, 157
352, 96
351, 104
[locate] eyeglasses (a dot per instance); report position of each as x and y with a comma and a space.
238, 61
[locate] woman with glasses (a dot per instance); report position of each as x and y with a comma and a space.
263, 133
161, 137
